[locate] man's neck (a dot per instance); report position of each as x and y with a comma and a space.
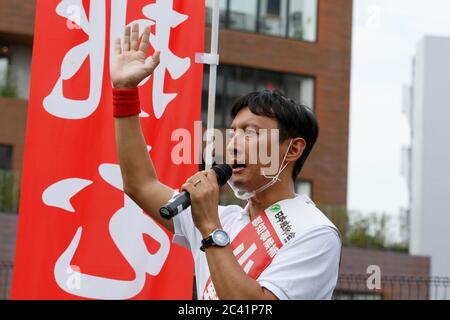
278, 192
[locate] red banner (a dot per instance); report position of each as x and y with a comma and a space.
79, 235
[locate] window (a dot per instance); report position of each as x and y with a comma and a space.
223, 12
234, 82
269, 80
303, 20
220, 98
273, 7
8, 74
4, 64
5, 157
273, 17
242, 15
304, 187
301, 89
240, 81
296, 19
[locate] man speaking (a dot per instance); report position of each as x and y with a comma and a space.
280, 246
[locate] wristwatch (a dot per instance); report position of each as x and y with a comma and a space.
219, 238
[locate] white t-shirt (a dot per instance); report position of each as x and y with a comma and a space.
304, 269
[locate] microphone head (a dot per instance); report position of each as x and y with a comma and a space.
223, 173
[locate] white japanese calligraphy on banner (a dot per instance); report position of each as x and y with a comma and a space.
160, 14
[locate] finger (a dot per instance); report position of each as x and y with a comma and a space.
189, 187
212, 177
145, 41
126, 39
156, 59
198, 181
204, 182
192, 179
135, 37
118, 47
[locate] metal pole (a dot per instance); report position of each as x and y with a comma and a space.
212, 86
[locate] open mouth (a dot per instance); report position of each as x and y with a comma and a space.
237, 168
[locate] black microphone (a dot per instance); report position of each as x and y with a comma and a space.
183, 200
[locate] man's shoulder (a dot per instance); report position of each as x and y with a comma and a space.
307, 215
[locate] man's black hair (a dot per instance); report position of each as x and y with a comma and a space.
294, 120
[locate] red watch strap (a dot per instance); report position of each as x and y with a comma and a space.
126, 102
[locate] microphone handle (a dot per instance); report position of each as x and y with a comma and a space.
176, 205
182, 201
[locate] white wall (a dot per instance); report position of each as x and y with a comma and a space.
430, 180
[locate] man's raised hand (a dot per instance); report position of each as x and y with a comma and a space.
129, 67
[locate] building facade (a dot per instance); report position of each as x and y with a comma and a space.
427, 168
16, 38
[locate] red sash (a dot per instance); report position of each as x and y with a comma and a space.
255, 247
260, 240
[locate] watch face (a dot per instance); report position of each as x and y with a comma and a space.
220, 238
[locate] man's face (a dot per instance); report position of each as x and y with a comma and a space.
253, 145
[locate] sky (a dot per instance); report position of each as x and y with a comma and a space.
385, 37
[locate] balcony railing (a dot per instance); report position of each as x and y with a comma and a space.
355, 287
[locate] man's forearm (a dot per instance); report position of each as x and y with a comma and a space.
135, 163
129, 68
229, 279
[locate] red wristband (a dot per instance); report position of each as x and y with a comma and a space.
126, 102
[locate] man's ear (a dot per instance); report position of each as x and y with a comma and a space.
297, 148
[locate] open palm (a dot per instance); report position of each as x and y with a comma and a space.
129, 67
